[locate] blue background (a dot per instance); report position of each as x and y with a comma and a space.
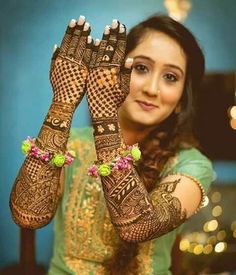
28, 31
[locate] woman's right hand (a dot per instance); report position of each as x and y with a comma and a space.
69, 64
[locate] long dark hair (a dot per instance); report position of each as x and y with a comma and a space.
162, 143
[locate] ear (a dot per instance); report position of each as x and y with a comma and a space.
177, 109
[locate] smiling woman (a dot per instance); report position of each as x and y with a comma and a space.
157, 81
124, 219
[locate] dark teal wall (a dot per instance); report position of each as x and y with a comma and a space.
28, 30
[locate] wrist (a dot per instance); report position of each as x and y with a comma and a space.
107, 137
54, 133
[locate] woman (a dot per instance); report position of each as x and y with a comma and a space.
123, 214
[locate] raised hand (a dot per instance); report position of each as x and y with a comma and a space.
69, 65
108, 81
37, 189
107, 88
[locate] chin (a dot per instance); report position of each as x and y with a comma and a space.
144, 122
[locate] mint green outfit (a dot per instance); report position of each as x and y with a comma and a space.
83, 234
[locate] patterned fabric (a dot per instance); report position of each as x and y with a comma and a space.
84, 235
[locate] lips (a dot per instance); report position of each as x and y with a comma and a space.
146, 106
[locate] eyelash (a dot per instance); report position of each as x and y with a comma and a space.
170, 77
141, 68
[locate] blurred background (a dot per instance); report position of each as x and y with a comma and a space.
28, 31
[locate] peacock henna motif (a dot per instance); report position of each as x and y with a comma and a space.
137, 215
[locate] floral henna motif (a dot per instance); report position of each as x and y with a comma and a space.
36, 192
106, 92
137, 215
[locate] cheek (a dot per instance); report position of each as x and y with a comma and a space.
171, 95
135, 84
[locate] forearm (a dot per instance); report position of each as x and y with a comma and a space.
36, 191
136, 214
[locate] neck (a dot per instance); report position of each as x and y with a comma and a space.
133, 133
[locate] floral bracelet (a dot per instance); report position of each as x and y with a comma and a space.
29, 147
124, 162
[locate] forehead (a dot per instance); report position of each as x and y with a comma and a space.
161, 48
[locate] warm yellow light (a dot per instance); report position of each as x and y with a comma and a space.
220, 247
216, 197
205, 227
207, 249
191, 247
234, 233
210, 226
198, 249
232, 112
212, 240
233, 225
233, 123
217, 211
184, 245
221, 235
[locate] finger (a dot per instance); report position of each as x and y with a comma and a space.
56, 51
111, 44
128, 63
88, 51
94, 53
67, 37
76, 36
82, 42
102, 45
119, 52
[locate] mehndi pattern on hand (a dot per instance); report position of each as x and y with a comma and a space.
36, 191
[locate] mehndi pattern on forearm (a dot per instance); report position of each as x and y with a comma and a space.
137, 215
36, 191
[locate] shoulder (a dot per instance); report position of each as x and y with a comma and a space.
191, 162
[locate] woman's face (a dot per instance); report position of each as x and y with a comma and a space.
157, 80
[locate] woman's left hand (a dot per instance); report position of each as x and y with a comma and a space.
108, 81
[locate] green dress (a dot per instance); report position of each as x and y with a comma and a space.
83, 234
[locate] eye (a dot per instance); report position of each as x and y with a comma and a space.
141, 68
170, 77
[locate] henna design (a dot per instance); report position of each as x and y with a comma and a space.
137, 215
36, 191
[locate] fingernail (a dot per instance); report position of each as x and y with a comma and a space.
89, 40
81, 20
107, 29
114, 23
122, 28
129, 62
72, 23
97, 42
54, 48
86, 26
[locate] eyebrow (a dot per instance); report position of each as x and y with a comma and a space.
166, 65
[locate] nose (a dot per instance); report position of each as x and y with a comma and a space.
151, 87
